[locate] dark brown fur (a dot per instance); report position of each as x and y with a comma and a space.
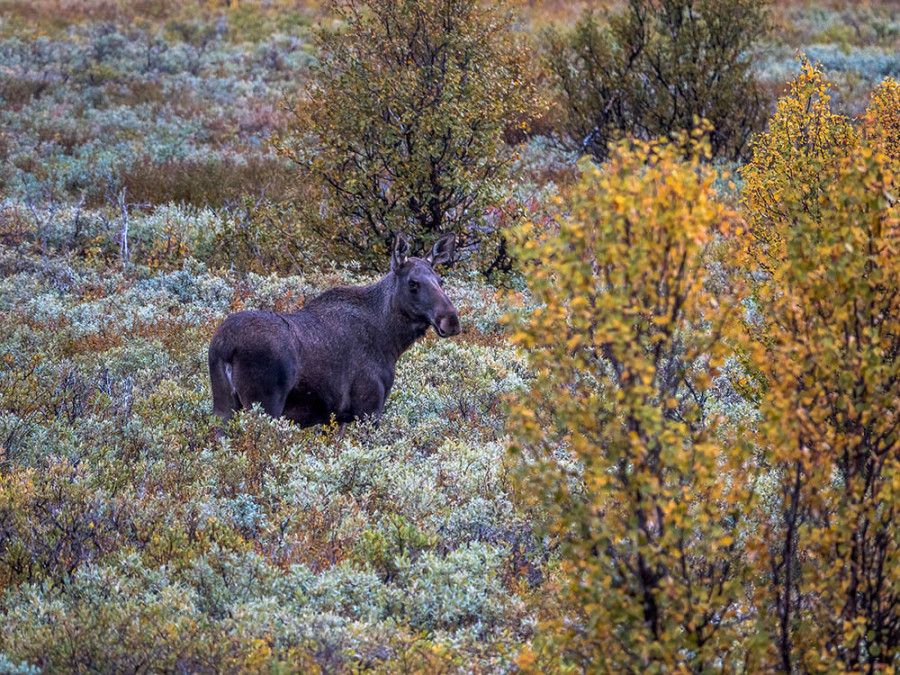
336, 356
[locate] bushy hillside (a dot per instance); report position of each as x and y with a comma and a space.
145, 194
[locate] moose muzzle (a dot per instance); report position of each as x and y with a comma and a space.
448, 325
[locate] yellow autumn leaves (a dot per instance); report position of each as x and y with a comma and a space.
629, 341
715, 420
827, 293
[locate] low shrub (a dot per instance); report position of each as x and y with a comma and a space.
123, 514
214, 182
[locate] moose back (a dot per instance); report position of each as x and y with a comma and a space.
337, 356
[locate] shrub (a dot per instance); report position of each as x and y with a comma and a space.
626, 342
658, 67
403, 128
211, 182
793, 162
881, 123
828, 308
123, 514
111, 106
262, 237
127, 617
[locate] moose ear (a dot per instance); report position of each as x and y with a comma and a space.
399, 252
442, 251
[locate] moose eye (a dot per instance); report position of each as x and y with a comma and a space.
413, 285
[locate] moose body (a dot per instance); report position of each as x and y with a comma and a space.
337, 356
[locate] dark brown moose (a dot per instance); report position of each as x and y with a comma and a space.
337, 355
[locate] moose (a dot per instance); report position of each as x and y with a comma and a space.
335, 357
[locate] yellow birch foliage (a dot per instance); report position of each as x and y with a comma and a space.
646, 498
882, 119
829, 304
792, 161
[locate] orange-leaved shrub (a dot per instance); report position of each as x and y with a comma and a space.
647, 493
828, 301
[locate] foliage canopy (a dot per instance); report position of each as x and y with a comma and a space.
403, 129
824, 251
691, 539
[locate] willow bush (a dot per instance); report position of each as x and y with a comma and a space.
655, 68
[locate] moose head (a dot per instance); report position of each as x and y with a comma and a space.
419, 289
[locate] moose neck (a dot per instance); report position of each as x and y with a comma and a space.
397, 330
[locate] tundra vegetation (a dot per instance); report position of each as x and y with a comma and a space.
666, 439
658, 67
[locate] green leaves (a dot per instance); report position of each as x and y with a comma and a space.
408, 110
656, 68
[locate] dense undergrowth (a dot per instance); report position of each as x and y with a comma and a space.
133, 537
141, 202
120, 505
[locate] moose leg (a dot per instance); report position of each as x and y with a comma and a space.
366, 400
271, 402
255, 387
273, 405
